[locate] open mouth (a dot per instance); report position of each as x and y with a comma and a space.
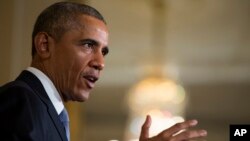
91, 79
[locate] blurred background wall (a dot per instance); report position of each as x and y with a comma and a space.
204, 45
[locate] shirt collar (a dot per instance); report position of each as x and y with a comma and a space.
49, 88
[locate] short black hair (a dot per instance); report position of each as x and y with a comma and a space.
59, 17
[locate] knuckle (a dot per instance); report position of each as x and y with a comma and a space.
171, 139
143, 127
179, 125
163, 137
188, 135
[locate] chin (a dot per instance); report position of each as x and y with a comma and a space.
81, 97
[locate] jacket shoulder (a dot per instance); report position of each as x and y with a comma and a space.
14, 85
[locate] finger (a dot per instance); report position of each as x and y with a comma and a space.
178, 127
187, 135
145, 128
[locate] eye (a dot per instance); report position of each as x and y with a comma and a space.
105, 51
88, 45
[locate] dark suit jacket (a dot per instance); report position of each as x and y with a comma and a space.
26, 112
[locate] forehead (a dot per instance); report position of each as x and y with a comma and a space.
90, 27
86, 22
86, 27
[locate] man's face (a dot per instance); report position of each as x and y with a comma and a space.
78, 58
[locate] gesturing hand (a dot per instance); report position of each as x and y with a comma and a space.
169, 134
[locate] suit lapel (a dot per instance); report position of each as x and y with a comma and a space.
38, 88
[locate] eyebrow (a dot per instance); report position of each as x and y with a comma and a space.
94, 42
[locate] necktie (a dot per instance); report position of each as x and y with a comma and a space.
65, 121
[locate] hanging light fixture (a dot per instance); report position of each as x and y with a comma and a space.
156, 94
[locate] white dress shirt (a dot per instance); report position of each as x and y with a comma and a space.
49, 88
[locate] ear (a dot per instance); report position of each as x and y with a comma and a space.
41, 42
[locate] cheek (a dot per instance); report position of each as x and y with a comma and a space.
74, 83
71, 65
77, 67
81, 60
71, 62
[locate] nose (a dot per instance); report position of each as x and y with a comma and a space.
97, 61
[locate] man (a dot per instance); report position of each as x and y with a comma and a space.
69, 43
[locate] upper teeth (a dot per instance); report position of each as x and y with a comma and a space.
90, 78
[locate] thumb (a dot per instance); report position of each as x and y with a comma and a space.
145, 128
